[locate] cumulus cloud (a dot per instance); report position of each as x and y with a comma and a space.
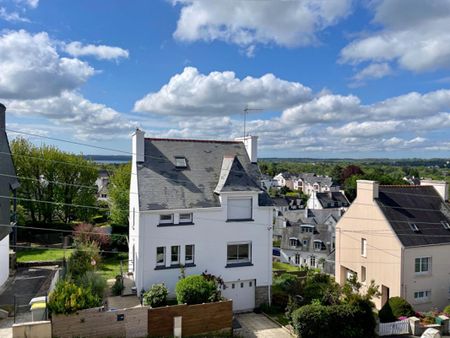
88, 119
373, 71
245, 23
11, 16
31, 67
192, 93
100, 52
414, 36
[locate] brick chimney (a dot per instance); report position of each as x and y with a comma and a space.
2, 116
251, 145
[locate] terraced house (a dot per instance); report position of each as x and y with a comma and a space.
398, 236
198, 204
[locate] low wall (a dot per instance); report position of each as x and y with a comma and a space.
196, 319
33, 330
131, 322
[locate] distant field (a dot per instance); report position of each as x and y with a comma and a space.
32, 254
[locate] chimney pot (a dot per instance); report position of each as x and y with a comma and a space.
2, 116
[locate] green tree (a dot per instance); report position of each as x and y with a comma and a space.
119, 190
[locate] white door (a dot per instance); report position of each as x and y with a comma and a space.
242, 293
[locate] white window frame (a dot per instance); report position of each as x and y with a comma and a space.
188, 218
422, 296
291, 240
363, 247
231, 217
186, 260
172, 262
421, 265
317, 245
239, 260
312, 261
163, 262
297, 259
166, 221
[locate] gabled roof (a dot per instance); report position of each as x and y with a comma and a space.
163, 186
332, 199
420, 205
233, 177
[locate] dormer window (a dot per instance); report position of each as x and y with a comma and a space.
293, 242
414, 227
445, 225
180, 162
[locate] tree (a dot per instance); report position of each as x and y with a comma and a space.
336, 174
119, 191
349, 171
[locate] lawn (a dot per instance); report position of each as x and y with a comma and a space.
110, 265
34, 254
284, 266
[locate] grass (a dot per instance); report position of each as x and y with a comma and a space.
34, 254
284, 266
110, 266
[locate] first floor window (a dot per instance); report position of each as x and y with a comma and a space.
293, 241
422, 296
239, 208
363, 274
317, 245
422, 265
239, 253
160, 255
363, 247
166, 219
189, 254
297, 259
175, 255
312, 261
185, 218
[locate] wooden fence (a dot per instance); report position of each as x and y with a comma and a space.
394, 328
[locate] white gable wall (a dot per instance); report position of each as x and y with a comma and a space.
4, 260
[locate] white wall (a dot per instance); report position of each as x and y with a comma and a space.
4, 260
210, 235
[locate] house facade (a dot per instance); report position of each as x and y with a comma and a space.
199, 205
8, 183
328, 200
398, 236
102, 183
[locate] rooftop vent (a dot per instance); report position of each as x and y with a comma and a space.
414, 227
180, 162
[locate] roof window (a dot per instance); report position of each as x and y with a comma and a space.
445, 225
414, 227
180, 162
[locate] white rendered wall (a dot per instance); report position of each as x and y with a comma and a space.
4, 260
210, 235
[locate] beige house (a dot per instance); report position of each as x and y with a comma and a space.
398, 236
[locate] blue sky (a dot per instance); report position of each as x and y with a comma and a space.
333, 78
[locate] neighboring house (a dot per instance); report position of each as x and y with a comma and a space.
102, 183
284, 179
198, 204
309, 183
328, 200
308, 238
398, 236
8, 183
267, 182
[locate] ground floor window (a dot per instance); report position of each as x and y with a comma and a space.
422, 296
312, 261
175, 254
189, 254
160, 255
239, 253
297, 259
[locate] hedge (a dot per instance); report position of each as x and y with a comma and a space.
195, 289
394, 308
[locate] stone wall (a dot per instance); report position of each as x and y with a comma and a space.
261, 295
33, 330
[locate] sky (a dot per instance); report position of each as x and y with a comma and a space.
320, 78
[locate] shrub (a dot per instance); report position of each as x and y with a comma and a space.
68, 298
195, 289
322, 287
287, 283
94, 281
156, 296
84, 258
447, 310
394, 308
85, 233
117, 287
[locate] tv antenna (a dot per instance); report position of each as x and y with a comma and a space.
246, 110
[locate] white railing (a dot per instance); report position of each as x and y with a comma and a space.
388, 329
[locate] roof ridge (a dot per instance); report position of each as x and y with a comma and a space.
190, 140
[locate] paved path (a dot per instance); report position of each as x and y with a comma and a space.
258, 325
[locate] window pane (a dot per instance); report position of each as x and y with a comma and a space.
175, 254
424, 264
189, 257
417, 268
185, 218
239, 208
232, 254
160, 255
243, 251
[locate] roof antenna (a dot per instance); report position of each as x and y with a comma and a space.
246, 110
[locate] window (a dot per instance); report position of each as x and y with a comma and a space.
305, 244
363, 247
134, 217
312, 261
161, 256
297, 259
422, 296
423, 265
166, 219
186, 218
445, 225
308, 228
293, 241
363, 274
317, 245
189, 254
175, 255
180, 162
414, 227
239, 209
239, 253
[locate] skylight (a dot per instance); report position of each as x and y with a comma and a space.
180, 162
445, 225
414, 227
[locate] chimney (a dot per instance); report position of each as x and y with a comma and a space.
138, 145
2, 116
251, 145
440, 186
366, 191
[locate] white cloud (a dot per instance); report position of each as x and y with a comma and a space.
245, 23
373, 71
32, 68
414, 36
221, 93
89, 120
29, 3
100, 52
11, 16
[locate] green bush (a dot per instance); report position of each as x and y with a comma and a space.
195, 289
82, 260
117, 287
156, 296
67, 297
447, 310
395, 307
321, 287
94, 281
287, 283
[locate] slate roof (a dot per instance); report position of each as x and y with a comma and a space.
333, 199
163, 186
421, 205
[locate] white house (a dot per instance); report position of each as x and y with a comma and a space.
328, 200
199, 204
8, 182
102, 183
